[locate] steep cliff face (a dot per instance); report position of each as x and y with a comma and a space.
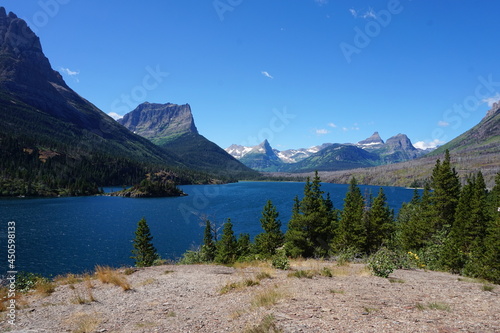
160, 122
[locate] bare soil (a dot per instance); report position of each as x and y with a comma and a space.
210, 298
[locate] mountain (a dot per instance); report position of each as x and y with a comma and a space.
477, 149
374, 141
160, 123
296, 155
262, 157
328, 157
336, 157
56, 141
396, 149
481, 139
172, 127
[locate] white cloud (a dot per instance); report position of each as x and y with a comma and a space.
442, 123
266, 74
370, 13
429, 144
491, 100
115, 115
332, 125
71, 73
321, 131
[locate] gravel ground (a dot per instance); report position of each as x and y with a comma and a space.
192, 298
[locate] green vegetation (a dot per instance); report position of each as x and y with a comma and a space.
160, 184
447, 227
144, 252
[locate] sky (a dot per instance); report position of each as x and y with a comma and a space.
298, 73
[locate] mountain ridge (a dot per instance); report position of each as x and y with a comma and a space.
328, 156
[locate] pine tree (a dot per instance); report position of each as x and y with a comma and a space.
208, 249
310, 230
351, 232
272, 238
296, 238
446, 186
144, 252
380, 223
226, 247
243, 246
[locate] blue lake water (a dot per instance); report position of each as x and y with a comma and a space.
61, 235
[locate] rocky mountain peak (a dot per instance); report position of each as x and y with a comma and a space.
156, 121
495, 108
400, 141
375, 139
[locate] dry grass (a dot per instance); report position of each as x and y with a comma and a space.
267, 325
433, 306
107, 274
44, 287
253, 263
230, 286
267, 297
81, 322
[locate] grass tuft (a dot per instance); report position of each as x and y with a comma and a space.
433, 306
267, 325
106, 274
84, 322
488, 287
267, 297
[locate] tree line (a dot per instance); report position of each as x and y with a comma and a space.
447, 226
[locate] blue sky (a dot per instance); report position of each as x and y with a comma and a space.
297, 72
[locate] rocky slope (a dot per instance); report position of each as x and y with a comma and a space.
160, 122
171, 127
41, 116
207, 298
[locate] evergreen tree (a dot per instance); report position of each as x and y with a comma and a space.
144, 252
490, 260
226, 247
310, 229
469, 228
351, 232
272, 238
208, 249
380, 223
243, 246
296, 240
446, 186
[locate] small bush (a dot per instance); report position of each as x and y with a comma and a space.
383, 262
280, 260
488, 287
26, 281
326, 272
192, 258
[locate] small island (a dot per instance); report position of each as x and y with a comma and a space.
157, 185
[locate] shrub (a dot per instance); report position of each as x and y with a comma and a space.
280, 260
383, 262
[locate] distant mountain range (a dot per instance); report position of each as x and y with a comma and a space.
328, 156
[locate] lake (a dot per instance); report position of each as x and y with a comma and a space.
61, 235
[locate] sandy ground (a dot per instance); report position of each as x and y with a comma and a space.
210, 298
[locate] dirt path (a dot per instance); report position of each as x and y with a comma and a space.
209, 298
